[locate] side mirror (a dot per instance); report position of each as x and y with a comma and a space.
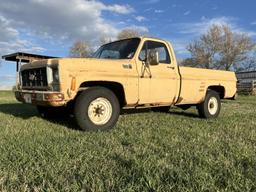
153, 57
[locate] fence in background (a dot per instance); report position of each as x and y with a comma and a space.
246, 82
247, 87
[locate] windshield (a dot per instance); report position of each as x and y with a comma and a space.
124, 49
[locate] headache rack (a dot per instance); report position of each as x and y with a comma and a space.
31, 78
21, 57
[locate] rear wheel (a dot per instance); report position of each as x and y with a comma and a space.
97, 108
210, 107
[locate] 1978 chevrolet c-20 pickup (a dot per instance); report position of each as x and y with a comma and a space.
131, 73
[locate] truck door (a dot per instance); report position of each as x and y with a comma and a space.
159, 81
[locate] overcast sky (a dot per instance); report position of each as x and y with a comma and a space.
51, 26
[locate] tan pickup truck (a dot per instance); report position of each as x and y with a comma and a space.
131, 73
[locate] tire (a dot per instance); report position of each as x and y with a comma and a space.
210, 107
96, 108
52, 112
164, 109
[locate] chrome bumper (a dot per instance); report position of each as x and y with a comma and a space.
45, 98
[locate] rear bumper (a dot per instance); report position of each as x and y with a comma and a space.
44, 98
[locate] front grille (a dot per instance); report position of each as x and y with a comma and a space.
34, 77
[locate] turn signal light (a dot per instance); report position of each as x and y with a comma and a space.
73, 84
53, 97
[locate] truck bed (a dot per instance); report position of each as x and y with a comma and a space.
195, 82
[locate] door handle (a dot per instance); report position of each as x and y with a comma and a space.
169, 67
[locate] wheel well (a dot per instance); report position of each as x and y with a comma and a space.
218, 89
115, 87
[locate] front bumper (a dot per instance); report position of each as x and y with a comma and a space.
43, 98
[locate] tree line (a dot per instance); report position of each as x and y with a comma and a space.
218, 48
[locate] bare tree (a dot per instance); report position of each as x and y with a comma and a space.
249, 64
189, 62
104, 40
128, 33
219, 48
234, 48
80, 49
204, 50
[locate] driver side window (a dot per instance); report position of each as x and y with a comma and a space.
164, 56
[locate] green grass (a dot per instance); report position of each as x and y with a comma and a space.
147, 151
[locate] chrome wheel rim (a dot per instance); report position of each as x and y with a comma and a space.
213, 105
100, 111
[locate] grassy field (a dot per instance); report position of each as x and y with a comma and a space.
175, 151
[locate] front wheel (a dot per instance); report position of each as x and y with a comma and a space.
97, 108
210, 107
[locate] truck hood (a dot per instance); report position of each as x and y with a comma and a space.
79, 64
92, 64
